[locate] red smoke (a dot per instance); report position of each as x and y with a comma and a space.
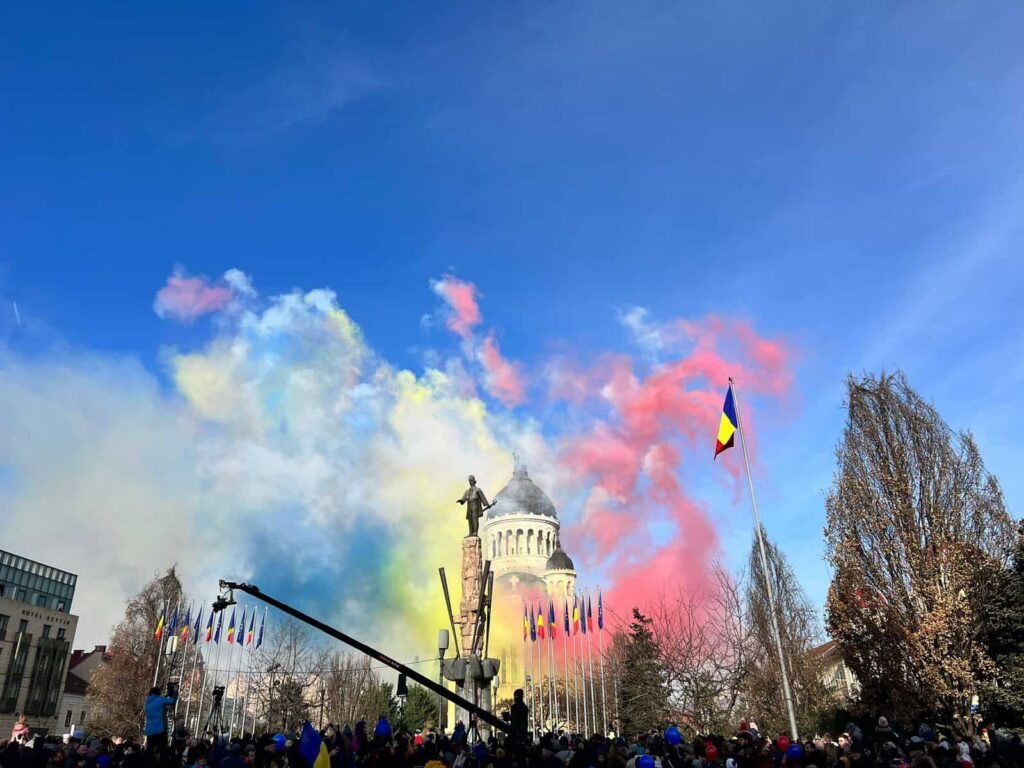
649, 425
501, 378
186, 298
461, 298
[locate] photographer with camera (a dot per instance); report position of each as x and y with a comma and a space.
156, 717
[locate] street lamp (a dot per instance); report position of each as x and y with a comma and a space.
442, 646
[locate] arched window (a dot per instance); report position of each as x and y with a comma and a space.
498, 548
529, 542
508, 542
519, 541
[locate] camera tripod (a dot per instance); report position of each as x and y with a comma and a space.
216, 717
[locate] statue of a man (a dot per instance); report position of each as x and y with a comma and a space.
476, 503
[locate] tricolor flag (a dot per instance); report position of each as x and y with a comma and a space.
727, 426
600, 610
220, 625
240, 636
209, 627
575, 616
252, 627
540, 621
565, 615
231, 628
552, 624
174, 622
312, 748
186, 625
197, 625
158, 633
263, 625
533, 626
526, 624
590, 614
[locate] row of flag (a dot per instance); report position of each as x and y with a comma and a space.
536, 626
191, 629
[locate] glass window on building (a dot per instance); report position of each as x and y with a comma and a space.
20, 597
3, 626
41, 600
60, 633
67, 719
46, 630
23, 626
60, 606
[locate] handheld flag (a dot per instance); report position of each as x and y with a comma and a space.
526, 624
174, 622
552, 623
263, 625
565, 615
540, 621
240, 636
220, 625
197, 625
209, 627
312, 748
186, 625
158, 633
231, 628
533, 626
600, 610
590, 614
252, 626
727, 426
575, 616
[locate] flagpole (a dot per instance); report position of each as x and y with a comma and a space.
593, 697
160, 644
551, 676
184, 663
241, 652
227, 679
575, 668
192, 679
600, 640
539, 684
583, 671
214, 669
764, 566
527, 682
565, 668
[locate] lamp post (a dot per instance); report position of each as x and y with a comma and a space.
442, 646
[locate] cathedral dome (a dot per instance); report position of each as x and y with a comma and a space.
521, 497
559, 561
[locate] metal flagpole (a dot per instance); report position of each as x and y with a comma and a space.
184, 661
527, 681
241, 653
160, 644
227, 678
600, 640
192, 677
565, 663
590, 664
539, 684
551, 671
214, 669
583, 671
575, 669
764, 566
252, 651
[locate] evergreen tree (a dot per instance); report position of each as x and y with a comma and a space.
420, 709
643, 698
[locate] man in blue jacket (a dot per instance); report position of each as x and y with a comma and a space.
156, 720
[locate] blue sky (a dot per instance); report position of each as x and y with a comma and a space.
848, 177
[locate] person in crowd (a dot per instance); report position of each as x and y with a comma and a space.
156, 720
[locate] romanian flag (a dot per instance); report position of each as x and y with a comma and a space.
575, 616
600, 610
231, 628
263, 625
526, 624
727, 427
590, 614
220, 625
240, 636
209, 628
252, 627
552, 624
197, 625
186, 625
533, 626
312, 748
540, 621
158, 633
565, 615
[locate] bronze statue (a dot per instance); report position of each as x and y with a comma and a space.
476, 504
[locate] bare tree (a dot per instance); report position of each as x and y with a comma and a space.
703, 637
354, 690
117, 692
914, 521
800, 631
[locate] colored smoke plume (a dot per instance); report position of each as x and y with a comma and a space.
288, 452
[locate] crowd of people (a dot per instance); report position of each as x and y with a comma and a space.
881, 745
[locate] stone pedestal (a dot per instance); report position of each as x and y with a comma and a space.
472, 585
